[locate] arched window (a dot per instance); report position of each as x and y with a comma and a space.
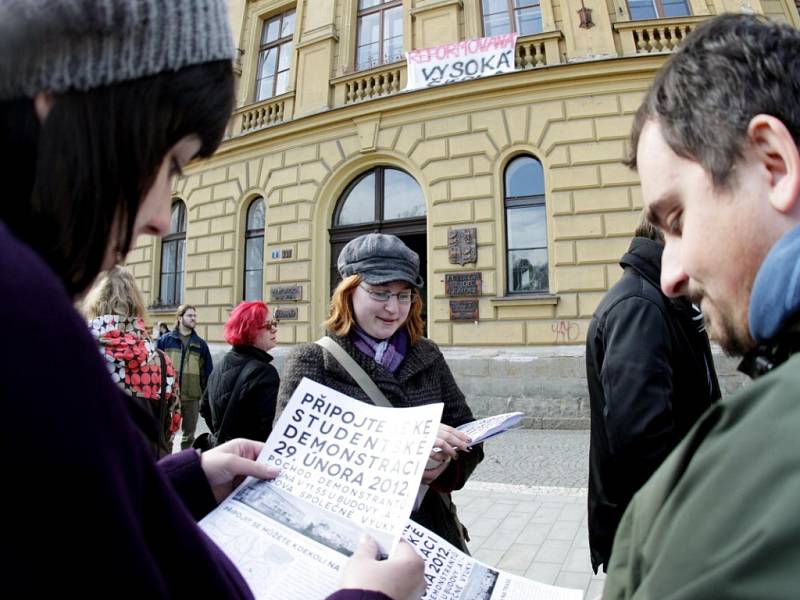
523, 17
385, 200
382, 194
526, 227
657, 9
380, 33
172, 253
254, 251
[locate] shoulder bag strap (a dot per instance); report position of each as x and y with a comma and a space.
355, 371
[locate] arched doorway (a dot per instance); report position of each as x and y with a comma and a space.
381, 200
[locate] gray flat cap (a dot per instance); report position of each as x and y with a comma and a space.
379, 259
61, 45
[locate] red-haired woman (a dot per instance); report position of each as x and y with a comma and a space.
239, 400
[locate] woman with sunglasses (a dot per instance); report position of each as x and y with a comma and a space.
239, 400
102, 103
375, 317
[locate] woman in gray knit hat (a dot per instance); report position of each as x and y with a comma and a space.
375, 318
102, 103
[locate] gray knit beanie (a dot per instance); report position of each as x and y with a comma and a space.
60, 45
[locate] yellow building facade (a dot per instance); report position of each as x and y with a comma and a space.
327, 143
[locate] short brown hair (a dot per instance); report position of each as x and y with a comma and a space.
341, 317
730, 69
647, 229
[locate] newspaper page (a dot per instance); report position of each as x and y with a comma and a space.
347, 468
483, 429
452, 575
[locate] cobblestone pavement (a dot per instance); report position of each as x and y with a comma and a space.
525, 508
536, 457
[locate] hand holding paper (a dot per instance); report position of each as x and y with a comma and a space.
228, 464
448, 441
399, 577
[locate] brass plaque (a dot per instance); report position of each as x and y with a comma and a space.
285, 292
462, 245
285, 314
463, 310
463, 284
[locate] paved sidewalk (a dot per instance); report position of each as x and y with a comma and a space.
536, 532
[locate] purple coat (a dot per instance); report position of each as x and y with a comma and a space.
76, 471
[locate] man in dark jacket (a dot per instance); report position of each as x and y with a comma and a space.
650, 375
192, 359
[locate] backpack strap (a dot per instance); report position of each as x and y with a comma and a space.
355, 371
163, 409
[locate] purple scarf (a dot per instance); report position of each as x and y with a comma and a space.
387, 353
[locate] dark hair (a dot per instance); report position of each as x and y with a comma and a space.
646, 229
728, 70
95, 156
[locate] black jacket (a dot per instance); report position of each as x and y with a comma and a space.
254, 406
423, 378
651, 376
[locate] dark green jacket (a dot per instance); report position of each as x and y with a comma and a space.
721, 517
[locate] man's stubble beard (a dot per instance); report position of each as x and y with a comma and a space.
734, 341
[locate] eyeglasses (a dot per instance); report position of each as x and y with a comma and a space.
271, 324
404, 297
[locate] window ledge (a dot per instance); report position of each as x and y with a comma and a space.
162, 308
525, 300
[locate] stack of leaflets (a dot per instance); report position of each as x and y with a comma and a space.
484, 429
348, 467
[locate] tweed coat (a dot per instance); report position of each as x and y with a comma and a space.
423, 378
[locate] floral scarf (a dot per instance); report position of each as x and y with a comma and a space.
387, 353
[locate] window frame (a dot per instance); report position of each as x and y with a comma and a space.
512, 202
340, 234
360, 13
277, 44
659, 7
511, 9
250, 234
174, 237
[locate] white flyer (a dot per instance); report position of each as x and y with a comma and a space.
348, 467
452, 575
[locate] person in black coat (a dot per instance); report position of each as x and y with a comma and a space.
650, 375
239, 400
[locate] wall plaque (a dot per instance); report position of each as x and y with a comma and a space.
285, 314
463, 310
462, 284
462, 245
285, 292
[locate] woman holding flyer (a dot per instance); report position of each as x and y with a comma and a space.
375, 318
102, 103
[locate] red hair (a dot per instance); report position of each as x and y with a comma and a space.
245, 322
341, 316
